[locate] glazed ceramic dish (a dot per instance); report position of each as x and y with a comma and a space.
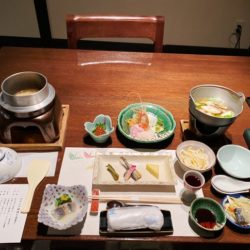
214, 208
106, 125
234, 160
49, 214
159, 125
231, 218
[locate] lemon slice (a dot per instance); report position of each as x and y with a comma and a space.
153, 169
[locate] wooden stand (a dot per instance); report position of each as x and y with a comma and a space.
214, 142
57, 145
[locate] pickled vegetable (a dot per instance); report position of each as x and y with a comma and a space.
112, 171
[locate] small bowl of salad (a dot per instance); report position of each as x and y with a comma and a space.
100, 129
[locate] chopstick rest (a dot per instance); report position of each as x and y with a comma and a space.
95, 202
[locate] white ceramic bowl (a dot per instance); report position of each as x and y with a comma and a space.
234, 160
195, 145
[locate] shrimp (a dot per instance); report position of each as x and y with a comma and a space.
140, 118
143, 120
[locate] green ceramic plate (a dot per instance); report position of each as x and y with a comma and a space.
164, 117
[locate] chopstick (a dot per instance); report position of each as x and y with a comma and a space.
138, 199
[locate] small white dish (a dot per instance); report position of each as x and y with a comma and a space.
229, 193
52, 192
229, 185
234, 160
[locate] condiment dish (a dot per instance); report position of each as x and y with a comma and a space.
234, 160
100, 129
207, 214
195, 155
193, 181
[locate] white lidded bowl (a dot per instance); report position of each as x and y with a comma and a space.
195, 145
234, 160
10, 164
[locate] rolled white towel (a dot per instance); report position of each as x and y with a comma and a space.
134, 217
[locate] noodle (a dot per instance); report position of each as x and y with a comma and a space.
195, 158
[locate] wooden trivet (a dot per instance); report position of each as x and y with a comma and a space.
54, 146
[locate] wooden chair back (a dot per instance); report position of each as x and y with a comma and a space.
151, 27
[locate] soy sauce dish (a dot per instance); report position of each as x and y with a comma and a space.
206, 216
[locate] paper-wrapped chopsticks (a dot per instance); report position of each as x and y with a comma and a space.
138, 199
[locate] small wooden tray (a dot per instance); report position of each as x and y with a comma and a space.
54, 146
184, 125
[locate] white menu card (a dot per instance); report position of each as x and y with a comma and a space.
12, 221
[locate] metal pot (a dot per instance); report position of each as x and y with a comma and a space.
230, 98
26, 93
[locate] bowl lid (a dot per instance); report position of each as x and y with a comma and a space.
10, 164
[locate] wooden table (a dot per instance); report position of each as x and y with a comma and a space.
95, 82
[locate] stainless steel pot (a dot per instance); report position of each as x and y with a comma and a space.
230, 98
26, 93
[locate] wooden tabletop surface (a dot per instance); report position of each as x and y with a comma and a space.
98, 82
